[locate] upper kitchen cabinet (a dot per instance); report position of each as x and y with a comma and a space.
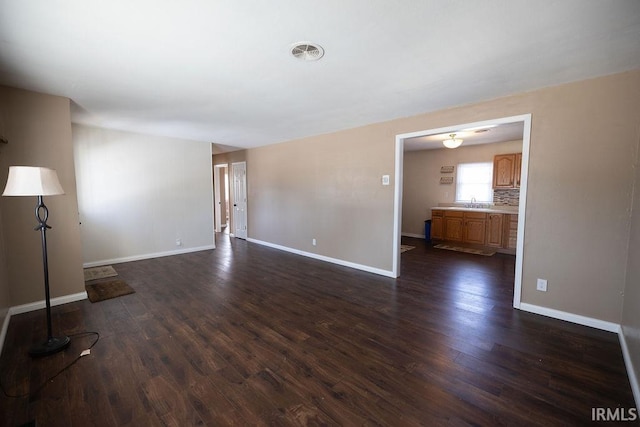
506, 170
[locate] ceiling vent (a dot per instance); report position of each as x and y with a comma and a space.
307, 51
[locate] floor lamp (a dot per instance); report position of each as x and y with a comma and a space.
37, 181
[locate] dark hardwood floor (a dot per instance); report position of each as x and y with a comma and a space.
248, 335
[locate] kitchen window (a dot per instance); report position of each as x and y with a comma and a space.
474, 183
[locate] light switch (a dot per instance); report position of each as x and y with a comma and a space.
385, 179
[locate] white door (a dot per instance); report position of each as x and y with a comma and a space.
239, 172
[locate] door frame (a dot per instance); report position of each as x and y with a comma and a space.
217, 197
397, 200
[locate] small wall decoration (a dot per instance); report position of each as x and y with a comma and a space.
446, 180
446, 169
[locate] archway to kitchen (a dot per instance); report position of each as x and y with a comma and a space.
410, 138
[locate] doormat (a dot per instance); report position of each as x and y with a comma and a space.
106, 290
102, 272
405, 248
465, 250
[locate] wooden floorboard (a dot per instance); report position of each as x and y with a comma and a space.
249, 335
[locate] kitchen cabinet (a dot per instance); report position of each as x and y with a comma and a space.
495, 229
510, 232
474, 227
506, 170
437, 224
453, 223
477, 229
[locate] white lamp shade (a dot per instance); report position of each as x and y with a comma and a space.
32, 181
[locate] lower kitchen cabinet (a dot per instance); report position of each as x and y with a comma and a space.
437, 225
474, 227
495, 230
453, 224
510, 232
498, 231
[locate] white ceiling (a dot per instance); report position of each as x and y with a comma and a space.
220, 71
470, 136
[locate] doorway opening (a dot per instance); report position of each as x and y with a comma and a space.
221, 198
402, 139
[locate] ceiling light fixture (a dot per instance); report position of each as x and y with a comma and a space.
307, 51
452, 142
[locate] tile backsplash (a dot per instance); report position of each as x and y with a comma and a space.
506, 197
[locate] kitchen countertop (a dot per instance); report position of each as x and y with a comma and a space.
502, 210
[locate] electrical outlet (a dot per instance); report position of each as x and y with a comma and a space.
542, 285
178, 242
385, 180
313, 242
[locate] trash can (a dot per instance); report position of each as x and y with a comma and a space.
427, 231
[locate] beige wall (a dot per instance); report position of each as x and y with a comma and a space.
421, 178
328, 188
38, 128
5, 301
631, 308
583, 139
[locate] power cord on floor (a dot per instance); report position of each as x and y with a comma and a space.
85, 352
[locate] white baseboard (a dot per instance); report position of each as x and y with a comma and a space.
417, 236
598, 324
631, 373
362, 267
570, 317
25, 308
37, 305
147, 256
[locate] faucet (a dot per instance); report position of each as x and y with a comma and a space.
473, 203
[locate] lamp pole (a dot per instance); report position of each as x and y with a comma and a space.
53, 344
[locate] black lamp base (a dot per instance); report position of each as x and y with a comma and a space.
53, 345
